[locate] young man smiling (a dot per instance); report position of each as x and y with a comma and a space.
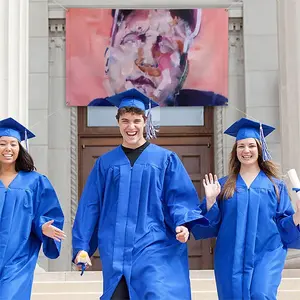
136, 208
131, 123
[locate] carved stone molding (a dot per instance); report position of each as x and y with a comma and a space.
74, 163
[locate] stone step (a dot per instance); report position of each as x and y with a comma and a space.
197, 284
97, 276
282, 295
70, 285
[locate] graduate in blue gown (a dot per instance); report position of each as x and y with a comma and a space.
251, 215
30, 214
136, 207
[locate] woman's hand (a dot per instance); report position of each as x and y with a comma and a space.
212, 189
296, 216
53, 232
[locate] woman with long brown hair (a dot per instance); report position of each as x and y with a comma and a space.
30, 214
251, 215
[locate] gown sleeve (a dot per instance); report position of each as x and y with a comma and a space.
210, 230
48, 208
180, 194
290, 233
85, 228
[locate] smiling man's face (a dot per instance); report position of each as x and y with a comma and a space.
145, 53
132, 129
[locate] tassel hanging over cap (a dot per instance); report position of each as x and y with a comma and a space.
26, 140
265, 152
150, 127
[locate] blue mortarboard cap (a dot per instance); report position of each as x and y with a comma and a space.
12, 128
245, 128
132, 98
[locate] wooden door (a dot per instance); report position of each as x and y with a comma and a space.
196, 158
194, 149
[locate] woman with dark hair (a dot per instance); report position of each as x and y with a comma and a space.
252, 217
30, 214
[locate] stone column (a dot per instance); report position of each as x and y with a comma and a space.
289, 93
14, 56
3, 58
14, 60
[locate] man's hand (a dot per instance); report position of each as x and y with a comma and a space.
182, 234
53, 232
83, 257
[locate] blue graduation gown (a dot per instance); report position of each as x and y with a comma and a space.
131, 213
25, 206
253, 233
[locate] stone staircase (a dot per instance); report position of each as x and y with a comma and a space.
71, 286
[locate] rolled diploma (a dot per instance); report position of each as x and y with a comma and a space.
294, 180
